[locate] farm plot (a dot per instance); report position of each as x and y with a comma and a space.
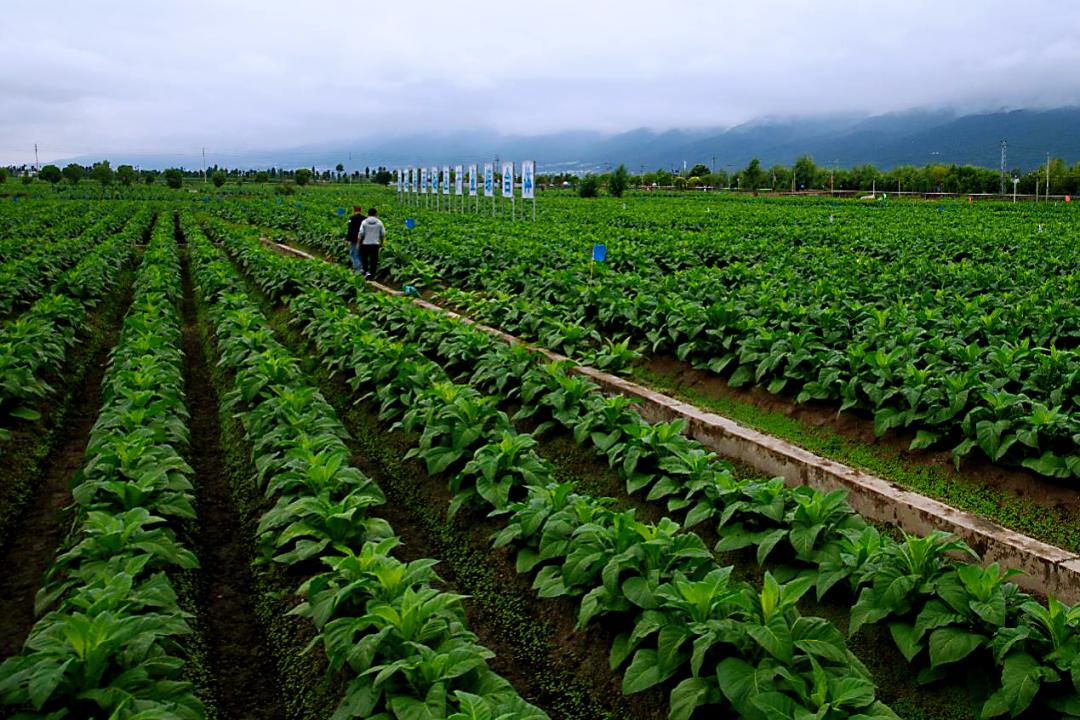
953, 329
304, 499
744, 516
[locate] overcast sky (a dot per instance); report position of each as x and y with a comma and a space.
92, 77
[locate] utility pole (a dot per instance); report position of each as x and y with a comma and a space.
37, 167
1004, 164
204, 165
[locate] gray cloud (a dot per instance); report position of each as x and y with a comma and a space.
100, 77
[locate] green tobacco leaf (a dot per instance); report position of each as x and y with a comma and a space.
774, 637
643, 672
26, 413
768, 542
1049, 464
1021, 677
903, 635
950, 644
687, 696
741, 683
924, 439
851, 692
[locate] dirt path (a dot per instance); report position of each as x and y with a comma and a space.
38, 530
240, 665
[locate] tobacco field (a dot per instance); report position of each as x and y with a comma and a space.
238, 483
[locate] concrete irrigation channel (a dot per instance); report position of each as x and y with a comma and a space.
1048, 569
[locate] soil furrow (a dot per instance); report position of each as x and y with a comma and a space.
240, 665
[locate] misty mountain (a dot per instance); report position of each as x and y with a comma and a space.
916, 137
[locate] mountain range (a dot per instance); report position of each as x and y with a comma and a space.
915, 137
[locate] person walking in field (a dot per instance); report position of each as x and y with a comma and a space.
372, 233
352, 238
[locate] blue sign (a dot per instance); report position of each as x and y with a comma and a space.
599, 252
410, 223
340, 212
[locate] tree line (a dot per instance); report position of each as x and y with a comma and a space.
807, 175
127, 175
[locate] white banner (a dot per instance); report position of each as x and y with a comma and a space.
528, 179
408, 181
489, 179
472, 179
459, 179
401, 180
433, 179
508, 180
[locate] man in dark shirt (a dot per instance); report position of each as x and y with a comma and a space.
352, 237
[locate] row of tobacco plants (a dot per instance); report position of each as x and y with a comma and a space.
956, 325
401, 645
35, 344
109, 639
734, 644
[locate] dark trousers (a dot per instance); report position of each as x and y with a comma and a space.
369, 258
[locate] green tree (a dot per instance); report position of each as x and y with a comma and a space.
700, 170
302, 176
102, 172
805, 171
752, 175
589, 186
74, 173
382, 176
218, 178
679, 182
262, 176
51, 174
126, 175
174, 178
3, 175
148, 176
619, 181
27, 178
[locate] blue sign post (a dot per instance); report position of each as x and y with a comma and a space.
599, 252
340, 212
410, 223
